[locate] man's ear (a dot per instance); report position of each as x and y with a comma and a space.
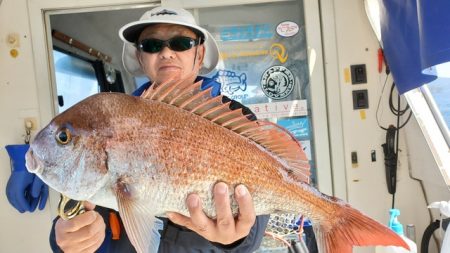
201, 54
138, 57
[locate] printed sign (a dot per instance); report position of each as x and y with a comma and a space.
246, 32
258, 51
287, 29
279, 109
277, 82
238, 54
233, 84
278, 51
299, 127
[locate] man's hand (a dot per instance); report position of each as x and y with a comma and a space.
82, 234
225, 229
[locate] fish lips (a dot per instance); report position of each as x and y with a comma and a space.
32, 164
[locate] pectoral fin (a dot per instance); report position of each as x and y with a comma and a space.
140, 222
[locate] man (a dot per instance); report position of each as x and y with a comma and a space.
166, 42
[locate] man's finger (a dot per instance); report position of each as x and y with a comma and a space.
94, 230
88, 205
247, 216
80, 221
200, 222
94, 245
85, 238
225, 218
180, 219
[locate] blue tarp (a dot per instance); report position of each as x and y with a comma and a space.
416, 36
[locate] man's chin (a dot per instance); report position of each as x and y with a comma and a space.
175, 75
167, 75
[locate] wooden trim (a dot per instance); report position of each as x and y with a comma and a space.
79, 45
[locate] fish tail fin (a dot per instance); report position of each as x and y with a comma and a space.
354, 229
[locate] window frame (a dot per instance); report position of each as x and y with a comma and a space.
431, 130
436, 112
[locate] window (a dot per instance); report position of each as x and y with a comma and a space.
75, 79
437, 94
421, 102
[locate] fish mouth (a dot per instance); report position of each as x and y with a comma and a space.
32, 164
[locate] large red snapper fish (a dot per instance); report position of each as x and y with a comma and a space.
143, 155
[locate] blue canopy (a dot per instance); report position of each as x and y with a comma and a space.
415, 35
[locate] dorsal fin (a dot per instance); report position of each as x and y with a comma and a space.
273, 138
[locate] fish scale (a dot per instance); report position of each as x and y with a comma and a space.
143, 156
215, 171
177, 134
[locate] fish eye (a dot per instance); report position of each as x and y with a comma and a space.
63, 136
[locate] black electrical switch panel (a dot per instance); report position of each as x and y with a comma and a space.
373, 155
359, 74
360, 99
354, 157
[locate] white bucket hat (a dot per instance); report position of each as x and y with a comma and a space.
130, 32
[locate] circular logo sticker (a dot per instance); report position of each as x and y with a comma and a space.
277, 82
287, 29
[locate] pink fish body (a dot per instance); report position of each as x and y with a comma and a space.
143, 156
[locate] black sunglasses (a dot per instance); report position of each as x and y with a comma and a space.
178, 44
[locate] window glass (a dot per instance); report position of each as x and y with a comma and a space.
75, 79
440, 92
422, 104
263, 64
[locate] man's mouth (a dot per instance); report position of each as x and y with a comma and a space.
169, 68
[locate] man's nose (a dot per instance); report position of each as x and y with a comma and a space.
166, 53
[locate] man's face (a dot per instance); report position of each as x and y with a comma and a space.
166, 63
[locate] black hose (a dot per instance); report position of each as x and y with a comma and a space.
427, 234
424, 245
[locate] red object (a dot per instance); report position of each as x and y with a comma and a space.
115, 225
380, 59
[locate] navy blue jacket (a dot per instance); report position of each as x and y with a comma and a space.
176, 238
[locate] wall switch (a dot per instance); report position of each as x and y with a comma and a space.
360, 99
354, 157
359, 74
